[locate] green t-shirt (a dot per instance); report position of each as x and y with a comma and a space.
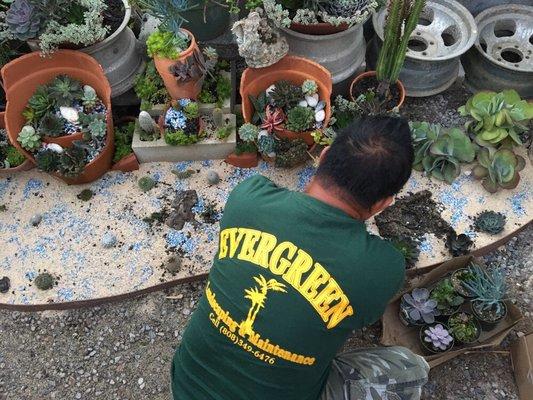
292, 278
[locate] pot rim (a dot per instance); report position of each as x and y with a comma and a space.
489, 322
318, 38
366, 74
182, 54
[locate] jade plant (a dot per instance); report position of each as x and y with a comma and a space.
440, 153
498, 169
418, 308
446, 297
497, 119
491, 222
463, 327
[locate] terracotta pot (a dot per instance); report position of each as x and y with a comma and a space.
368, 74
23, 75
63, 141
244, 160
294, 69
189, 90
126, 164
25, 166
322, 28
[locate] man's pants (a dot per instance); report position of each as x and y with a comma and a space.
380, 373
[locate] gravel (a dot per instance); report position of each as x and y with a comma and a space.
124, 350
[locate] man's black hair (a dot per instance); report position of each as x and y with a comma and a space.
370, 160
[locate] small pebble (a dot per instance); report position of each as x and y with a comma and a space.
4, 284
109, 240
173, 265
320, 106
320, 116
36, 219
312, 100
303, 103
213, 178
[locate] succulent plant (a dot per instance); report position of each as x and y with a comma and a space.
64, 90
146, 183
300, 119
498, 169
290, 153
419, 307
248, 132
489, 287
90, 98
51, 125
409, 249
272, 119
23, 20
445, 296
438, 336
218, 117
440, 153
285, 95
309, 87
260, 104
191, 110
178, 137
463, 327
44, 281
458, 245
29, 139
47, 160
29, 116
491, 222
41, 102
266, 144
497, 118
97, 127
192, 68
73, 160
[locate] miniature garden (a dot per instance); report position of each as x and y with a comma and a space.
124, 126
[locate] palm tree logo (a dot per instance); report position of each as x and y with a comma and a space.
258, 297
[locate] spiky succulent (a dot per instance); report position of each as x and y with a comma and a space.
29, 139
458, 245
51, 125
438, 336
309, 87
64, 90
300, 119
266, 144
418, 307
285, 95
491, 222
489, 287
41, 102
498, 169
47, 160
248, 132
44, 281
272, 119
90, 98
72, 161
23, 20
192, 68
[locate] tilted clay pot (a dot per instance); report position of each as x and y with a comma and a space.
179, 90
23, 75
25, 166
368, 74
322, 28
244, 160
291, 68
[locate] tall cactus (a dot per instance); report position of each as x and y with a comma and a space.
401, 21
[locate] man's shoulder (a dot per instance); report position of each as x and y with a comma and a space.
384, 256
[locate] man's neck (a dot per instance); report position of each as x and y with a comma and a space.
317, 191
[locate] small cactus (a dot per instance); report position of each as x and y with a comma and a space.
218, 117
146, 122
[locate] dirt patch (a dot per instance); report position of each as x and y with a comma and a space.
370, 84
182, 209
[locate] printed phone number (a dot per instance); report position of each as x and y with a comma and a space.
236, 339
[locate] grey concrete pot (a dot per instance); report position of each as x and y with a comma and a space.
341, 53
446, 31
502, 57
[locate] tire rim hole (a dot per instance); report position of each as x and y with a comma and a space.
450, 36
483, 45
417, 44
426, 17
512, 55
505, 28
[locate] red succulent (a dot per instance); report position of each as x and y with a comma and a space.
273, 119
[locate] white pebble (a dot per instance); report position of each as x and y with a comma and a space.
312, 100
262, 132
56, 148
69, 113
270, 89
320, 116
303, 103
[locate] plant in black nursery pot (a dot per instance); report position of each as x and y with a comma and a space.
436, 338
448, 301
464, 327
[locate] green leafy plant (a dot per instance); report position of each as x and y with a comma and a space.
285, 95
223, 132
300, 119
150, 88
165, 45
248, 132
401, 21
344, 112
223, 89
498, 169
47, 160
191, 110
463, 327
123, 138
179, 138
444, 294
497, 119
13, 158
491, 222
41, 102
64, 90
51, 125
324, 137
29, 139
489, 288
440, 153
29, 116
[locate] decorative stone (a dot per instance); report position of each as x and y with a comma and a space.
262, 132
109, 240
270, 89
56, 148
147, 123
259, 43
44, 281
70, 114
5, 284
320, 106
173, 265
303, 103
312, 100
320, 116
212, 177
36, 219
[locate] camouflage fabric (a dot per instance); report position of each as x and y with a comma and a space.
381, 373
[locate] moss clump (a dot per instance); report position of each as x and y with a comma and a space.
146, 183
183, 174
85, 195
44, 281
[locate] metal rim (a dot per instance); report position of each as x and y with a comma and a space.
506, 36
446, 29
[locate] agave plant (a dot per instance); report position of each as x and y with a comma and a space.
489, 287
497, 118
419, 307
498, 169
440, 153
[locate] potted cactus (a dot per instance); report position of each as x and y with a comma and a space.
435, 338
174, 50
416, 308
489, 292
448, 301
464, 327
383, 86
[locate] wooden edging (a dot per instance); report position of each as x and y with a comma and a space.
166, 285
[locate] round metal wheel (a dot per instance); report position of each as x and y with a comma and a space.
445, 31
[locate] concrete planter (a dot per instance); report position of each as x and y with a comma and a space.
446, 30
342, 53
208, 149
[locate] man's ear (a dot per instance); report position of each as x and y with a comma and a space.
323, 154
381, 205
